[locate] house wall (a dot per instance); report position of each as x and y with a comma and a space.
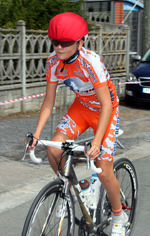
119, 12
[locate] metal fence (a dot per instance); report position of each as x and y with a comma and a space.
103, 16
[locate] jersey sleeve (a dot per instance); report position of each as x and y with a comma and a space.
101, 74
51, 65
94, 66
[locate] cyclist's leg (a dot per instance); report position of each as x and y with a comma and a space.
71, 126
105, 161
110, 183
107, 177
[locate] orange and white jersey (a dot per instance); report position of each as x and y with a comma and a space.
82, 74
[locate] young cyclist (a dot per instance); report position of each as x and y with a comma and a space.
95, 105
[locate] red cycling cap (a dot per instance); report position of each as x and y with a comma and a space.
67, 27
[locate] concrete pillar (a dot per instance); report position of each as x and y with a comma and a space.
22, 49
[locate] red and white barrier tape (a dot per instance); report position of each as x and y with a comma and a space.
22, 99
43, 94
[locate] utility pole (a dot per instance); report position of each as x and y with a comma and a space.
146, 26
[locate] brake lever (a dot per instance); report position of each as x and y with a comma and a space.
25, 151
29, 141
87, 148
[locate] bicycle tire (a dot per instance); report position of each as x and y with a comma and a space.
44, 209
126, 175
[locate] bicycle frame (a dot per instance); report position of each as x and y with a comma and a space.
69, 173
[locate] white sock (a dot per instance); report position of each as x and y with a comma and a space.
121, 217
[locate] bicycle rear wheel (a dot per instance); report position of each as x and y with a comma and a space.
43, 219
126, 175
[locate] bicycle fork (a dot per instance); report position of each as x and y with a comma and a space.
65, 192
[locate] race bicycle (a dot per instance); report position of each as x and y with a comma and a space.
42, 218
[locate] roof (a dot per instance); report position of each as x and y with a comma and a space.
139, 4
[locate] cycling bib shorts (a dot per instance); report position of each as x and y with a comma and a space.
79, 118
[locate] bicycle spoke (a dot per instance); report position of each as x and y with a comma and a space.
49, 214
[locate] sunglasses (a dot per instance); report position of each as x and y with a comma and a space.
63, 44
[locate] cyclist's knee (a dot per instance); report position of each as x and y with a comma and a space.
104, 176
106, 179
107, 171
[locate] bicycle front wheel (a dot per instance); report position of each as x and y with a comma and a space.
44, 217
127, 178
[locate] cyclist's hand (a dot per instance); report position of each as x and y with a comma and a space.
94, 151
32, 147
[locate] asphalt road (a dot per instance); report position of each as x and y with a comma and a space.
21, 181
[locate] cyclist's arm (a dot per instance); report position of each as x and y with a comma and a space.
46, 109
104, 98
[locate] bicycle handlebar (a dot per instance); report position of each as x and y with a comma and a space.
60, 145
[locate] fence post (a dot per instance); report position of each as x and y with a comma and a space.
21, 26
127, 49
100, 40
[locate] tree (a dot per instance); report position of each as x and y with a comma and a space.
36, 13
